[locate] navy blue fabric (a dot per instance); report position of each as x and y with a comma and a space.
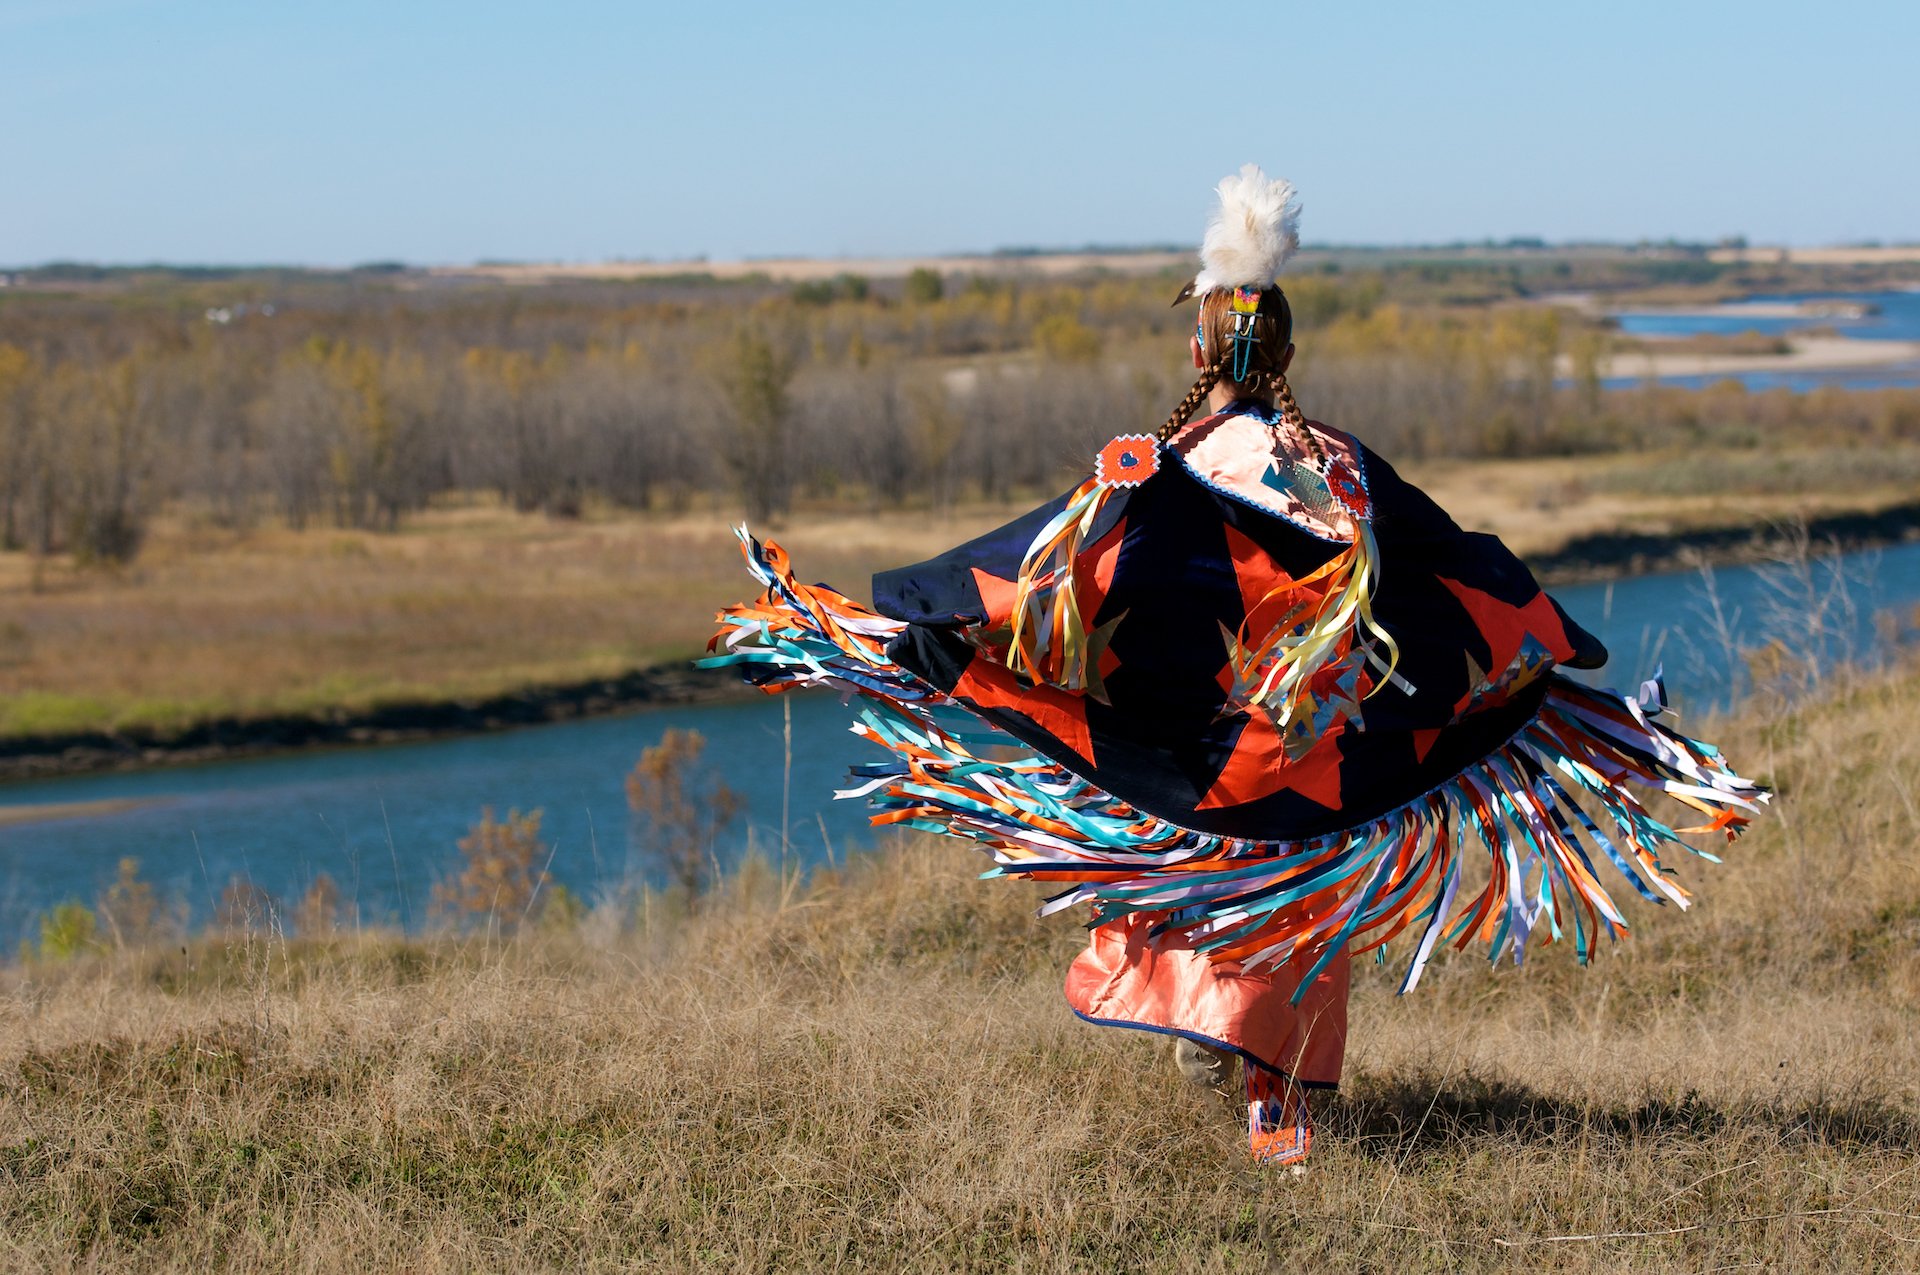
1164, 733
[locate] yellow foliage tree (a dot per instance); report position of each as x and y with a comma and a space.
505, 871
681, 812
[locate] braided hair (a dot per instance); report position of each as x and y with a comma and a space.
1184, 409
1273, 329
1293, 417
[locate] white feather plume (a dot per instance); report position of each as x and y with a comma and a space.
1253, 232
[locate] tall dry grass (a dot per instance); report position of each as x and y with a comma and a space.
876, 1070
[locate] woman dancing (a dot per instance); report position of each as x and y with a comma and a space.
1254, 700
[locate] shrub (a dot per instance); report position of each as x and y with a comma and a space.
755, 381
814, 292
129, 907
245, 909
1065, 339
679, 810
67, 931
560, 909
501, 880
924, 286
317, 915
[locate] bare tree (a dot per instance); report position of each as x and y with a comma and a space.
754, 377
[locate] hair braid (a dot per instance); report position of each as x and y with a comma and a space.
1295, 420
1183, 410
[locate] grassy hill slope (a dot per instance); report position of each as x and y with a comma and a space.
876, 1070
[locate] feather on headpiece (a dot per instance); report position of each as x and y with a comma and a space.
1252, 233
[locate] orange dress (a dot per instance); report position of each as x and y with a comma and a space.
1125, 980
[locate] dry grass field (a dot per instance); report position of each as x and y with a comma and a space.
463, 602
876, 1070
477, 600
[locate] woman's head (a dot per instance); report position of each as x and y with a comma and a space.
1244, 338
1272, 332
1262, 363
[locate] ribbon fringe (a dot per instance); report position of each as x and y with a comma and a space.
1264, 903
1278, 671
1049, 642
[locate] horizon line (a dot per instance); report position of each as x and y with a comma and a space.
702, 263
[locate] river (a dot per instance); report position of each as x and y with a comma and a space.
1891, 315
383, 821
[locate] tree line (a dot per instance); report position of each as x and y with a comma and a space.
355, 405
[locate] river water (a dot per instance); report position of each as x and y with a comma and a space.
1893, 315
383, 822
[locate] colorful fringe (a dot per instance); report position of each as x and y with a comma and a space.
1263, 903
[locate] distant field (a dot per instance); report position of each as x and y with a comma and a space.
461, 603
877, 1072
810, 269
467, 602
1895, 254
1142, 261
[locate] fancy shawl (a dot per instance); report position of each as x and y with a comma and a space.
1264, 706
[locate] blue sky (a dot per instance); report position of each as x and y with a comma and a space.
342, 132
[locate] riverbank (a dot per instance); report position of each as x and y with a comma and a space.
217, 639
1580, 524
1614, 555
223, 739
1804, 354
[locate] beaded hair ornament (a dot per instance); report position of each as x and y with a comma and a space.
1246, 308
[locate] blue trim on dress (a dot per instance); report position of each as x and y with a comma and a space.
1199, 1039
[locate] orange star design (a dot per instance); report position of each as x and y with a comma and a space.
990, 684
1259, 768
1505, 626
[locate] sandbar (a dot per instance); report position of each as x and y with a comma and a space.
11, 816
